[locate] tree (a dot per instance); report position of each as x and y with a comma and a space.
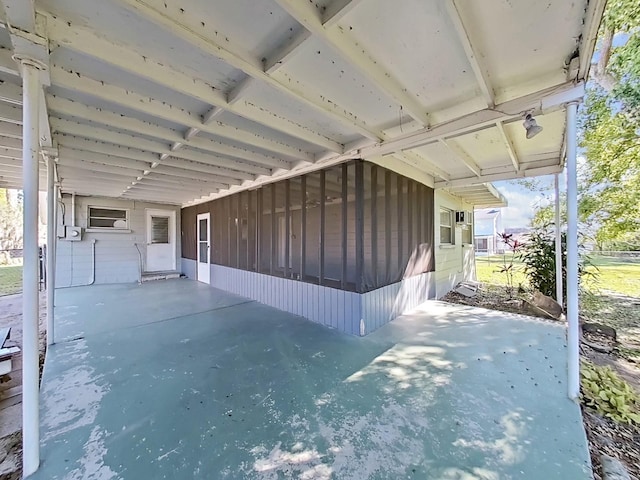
10, 220
610, 128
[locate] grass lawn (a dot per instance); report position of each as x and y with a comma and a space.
10, 279
620, 276
613, 298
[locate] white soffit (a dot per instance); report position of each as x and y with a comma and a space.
202, 98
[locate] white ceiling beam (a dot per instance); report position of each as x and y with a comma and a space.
309, 16
10, 113
88, 43
258, 162
66, 172
164, 181
20, 14
11, 130
531, 172
473, 57
10, 93
10, 153
545, 101
7, 63
163, 192
509, 144
463, 156
286, 51
131, 100
89, 131
251, 66
184, 173
418, 161
117, 161
336, 11
197, 167
10, 143
149, 199
98, 167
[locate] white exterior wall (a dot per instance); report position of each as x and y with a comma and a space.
117, 259
349, 312
454, 263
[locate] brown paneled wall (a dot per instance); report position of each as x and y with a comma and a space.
355, 226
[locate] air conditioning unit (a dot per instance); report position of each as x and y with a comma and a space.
463, 217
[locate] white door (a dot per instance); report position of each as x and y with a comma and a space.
161, 240
204, 248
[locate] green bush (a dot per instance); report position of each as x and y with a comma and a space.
606, 392
538, 253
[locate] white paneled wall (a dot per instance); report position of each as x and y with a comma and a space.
357, 314
454, 262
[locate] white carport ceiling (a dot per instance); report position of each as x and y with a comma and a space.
186, 101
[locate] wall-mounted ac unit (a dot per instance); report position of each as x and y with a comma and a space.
463, 217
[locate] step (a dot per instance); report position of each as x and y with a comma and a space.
152, 276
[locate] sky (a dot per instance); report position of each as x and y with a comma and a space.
523, 202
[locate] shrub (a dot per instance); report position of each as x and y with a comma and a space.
539, 257
606, 392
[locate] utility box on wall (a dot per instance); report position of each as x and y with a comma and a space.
73, 234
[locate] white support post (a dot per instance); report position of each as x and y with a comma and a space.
52, 202
558, 222
31, 85
573, 336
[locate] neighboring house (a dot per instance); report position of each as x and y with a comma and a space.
488, 226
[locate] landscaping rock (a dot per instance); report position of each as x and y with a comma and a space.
613, 469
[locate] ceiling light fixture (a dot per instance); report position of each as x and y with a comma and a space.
531, 126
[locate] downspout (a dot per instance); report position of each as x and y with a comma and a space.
573, 337
559, 290
73, 209
139, 264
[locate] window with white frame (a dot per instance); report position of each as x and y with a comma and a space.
446, 226
467, 230
108, 218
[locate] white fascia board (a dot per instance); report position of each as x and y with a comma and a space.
530, 172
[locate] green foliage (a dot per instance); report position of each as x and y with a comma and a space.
610, 128
10, 221
606, 392
538, 253
621, 15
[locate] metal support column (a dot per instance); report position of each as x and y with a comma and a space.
31, 85
573, 337
52, 203
558, 222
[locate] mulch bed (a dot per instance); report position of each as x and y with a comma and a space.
605, 436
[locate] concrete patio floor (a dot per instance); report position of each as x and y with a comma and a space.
176, 380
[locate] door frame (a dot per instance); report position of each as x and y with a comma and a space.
203, 216
173, 235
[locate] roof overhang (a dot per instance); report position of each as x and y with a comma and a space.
187, 101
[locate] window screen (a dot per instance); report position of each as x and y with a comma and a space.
356, 226
115, 218
159, 229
